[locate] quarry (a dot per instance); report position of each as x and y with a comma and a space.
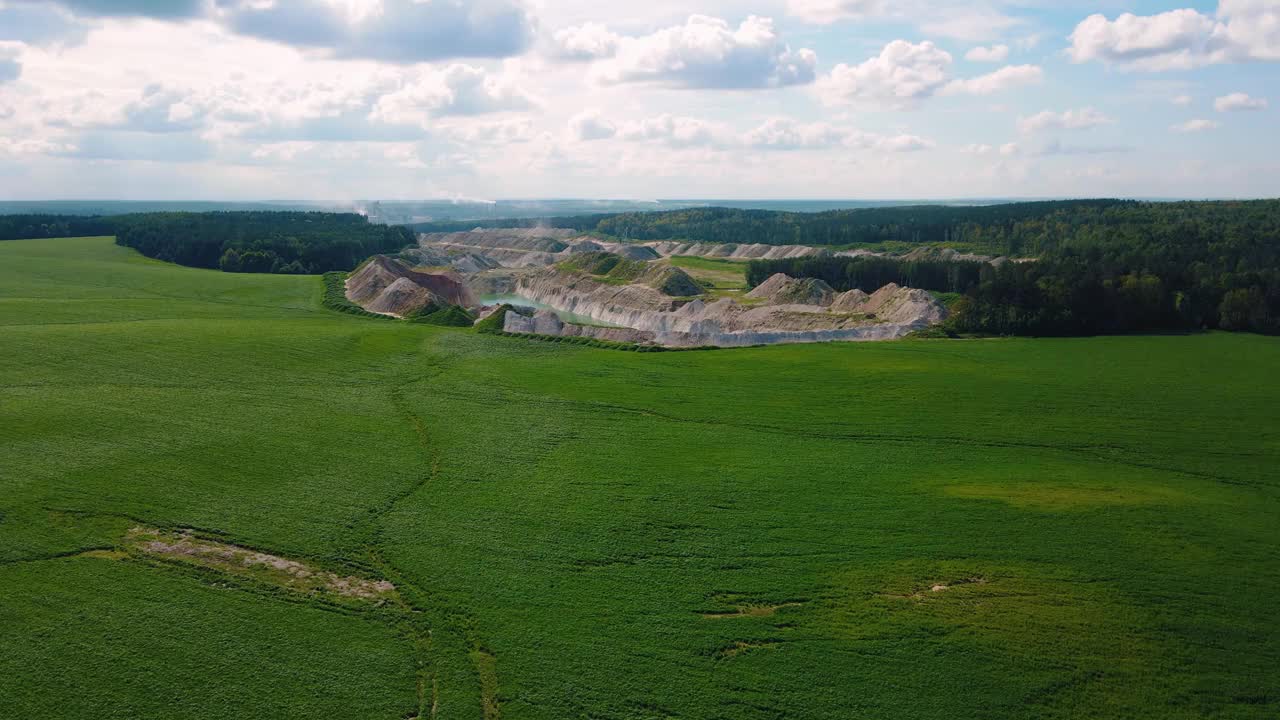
558, 282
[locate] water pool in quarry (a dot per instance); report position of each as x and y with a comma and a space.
521, 301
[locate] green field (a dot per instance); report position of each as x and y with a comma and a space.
727, 278
1081, 528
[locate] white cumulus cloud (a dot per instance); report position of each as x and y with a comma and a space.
1194, 126
1241, 30
903, 72
1007, 77
1252, 28
1239, 101
589, 41
787, 134
458, 89
993, 54
778, 134
675, 131
1069, 120
901, 143
1174, 39
708, 52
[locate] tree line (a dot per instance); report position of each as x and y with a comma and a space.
34, 227
1017, 229
1120, 287
925, 224
261, 242
1170, 276
252, 242
979, 227
872, 273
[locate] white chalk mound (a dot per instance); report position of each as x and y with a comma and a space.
889, 313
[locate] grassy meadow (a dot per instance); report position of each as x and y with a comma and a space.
722, 278
1084, 528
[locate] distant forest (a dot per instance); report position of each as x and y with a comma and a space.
34, 227
1180, 266
255, 242
1005, 229
1017, 229
261, 242
872, 273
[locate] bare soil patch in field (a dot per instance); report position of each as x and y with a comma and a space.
750, 611
1058, 497
185, 547
740, 648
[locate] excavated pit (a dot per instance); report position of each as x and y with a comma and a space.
632, 288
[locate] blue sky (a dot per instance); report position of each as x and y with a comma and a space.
406, 99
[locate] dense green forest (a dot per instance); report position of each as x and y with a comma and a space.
33, 227
872, 273
995, 228
1174, 275
1017, 229
1125, 286
1011, 228
265, 242
256, 242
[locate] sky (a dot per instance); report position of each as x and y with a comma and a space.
344, 100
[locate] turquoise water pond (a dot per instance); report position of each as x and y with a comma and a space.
520, 301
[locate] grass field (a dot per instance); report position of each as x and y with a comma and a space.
728, 278
919, 529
